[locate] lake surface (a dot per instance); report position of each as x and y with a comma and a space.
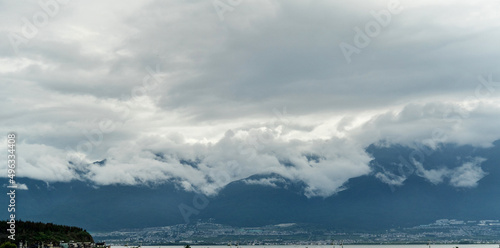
330, 246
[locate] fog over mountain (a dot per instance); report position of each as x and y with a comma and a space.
392, 195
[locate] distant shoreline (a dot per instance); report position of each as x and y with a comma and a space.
320, 245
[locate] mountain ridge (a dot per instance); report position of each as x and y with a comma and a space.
365, 203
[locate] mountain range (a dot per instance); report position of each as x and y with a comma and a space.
394, 194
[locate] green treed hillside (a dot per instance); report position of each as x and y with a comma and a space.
34, 232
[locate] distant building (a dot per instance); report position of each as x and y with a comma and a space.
102, 245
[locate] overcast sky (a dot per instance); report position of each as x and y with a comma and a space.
244, 87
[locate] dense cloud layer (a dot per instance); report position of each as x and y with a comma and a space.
202, 96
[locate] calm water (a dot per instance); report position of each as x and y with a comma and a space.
326, 246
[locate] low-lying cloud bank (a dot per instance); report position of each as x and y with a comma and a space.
278, 147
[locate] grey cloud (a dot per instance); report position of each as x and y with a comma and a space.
433, 123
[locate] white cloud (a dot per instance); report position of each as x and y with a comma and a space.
468, 175
435, 176
45, 163
391, 178
236, 156
465, 176
22, 186
270, 182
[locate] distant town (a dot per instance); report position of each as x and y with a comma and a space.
208, 232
